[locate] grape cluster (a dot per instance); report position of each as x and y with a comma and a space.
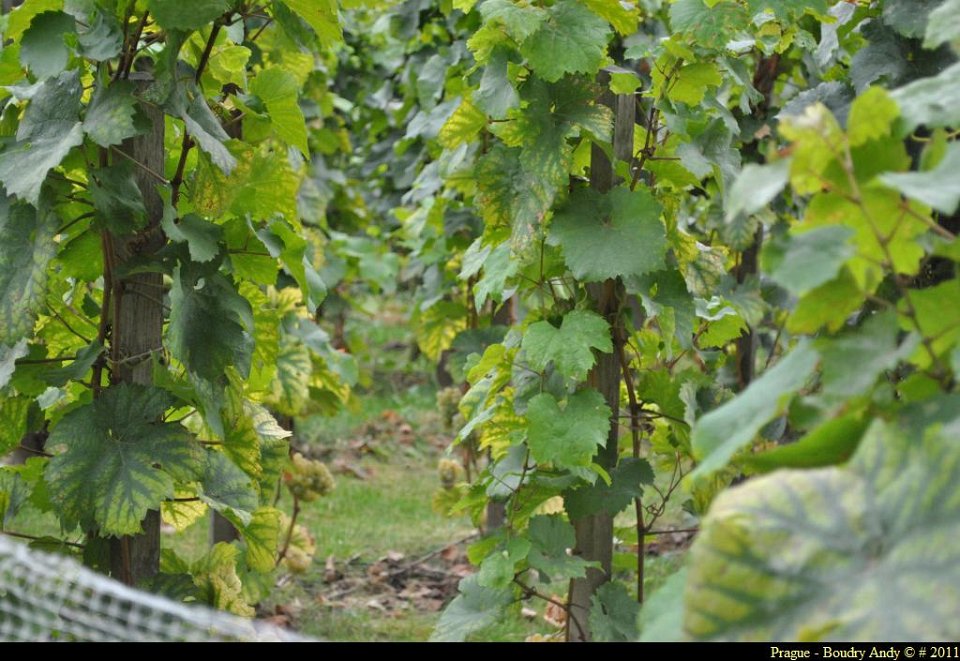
302, 547
308, 479
448, 403
450, 472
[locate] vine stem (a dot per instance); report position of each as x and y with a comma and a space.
289, 537
529, 591
635, 409
187, 144
34, 538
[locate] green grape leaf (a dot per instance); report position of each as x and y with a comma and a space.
570, 346
613, 614
110, 116
853, 361
943, 26
550, 539
43, 49
719, 434
519, 21
474, 608
204, 127
279, 91
20, 18
567, 437
755, 188
117, 199
498, 268
293, 254
938, 188
708, 26
215, 575
509, 195
179, 15
622, 16
77, 368
572, 39
321, 15
931, 102
26, 250
463, 126
115, 460
262, 536
937, 321
211, 325
802, 262
101, 38
13, 421
227, 488
692, 81
181, 514
82, 257
788, 10
627, 481
270, 189
614, 235
201, 236
291, 386
871, 116
499, 567
840, 553
50, 128
909, 17
496, 95
828, 305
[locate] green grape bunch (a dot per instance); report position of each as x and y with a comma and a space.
308, 479
448, 403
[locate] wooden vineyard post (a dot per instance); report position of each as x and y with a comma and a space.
136, 315
594, 533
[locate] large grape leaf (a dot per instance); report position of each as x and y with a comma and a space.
861, 552
474, 608
803, 262
606, 236
26, 250
496, 94
50, 128
933, 101
509, 195
211, 325
943, 25
567, 437
710, 25
519, 21
569, 346
110, 115
938, 188
278, 89
227, 488
551, 539
204, 127
43, 48
115, 459
321, 15
179, 15
613, 614
723, 431
572, 39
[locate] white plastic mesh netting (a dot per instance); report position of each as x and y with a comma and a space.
47, 597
